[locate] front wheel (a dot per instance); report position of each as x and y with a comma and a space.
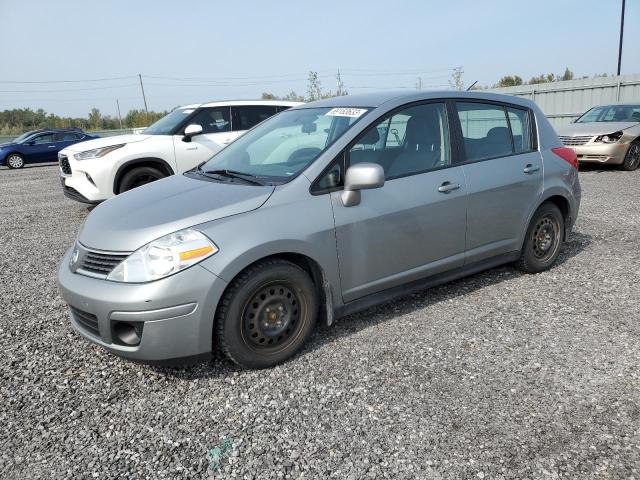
138, 176
543, 240
266, 314
15, 161
632, 158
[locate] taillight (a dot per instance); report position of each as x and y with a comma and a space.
568, 155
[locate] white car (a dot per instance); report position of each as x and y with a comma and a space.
98, 169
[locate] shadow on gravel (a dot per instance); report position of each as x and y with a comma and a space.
600, 168
351, 324
32, 165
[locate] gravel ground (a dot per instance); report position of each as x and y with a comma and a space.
501, 375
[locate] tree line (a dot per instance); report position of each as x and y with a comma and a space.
515, 80
19, 120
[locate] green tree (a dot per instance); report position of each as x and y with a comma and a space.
509, 81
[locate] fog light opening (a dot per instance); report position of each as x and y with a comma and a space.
127, 333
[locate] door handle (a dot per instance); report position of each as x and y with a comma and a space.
52, 146
531, 168
192, 148
447, 187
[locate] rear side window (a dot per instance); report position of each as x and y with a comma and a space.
520, 129
249, 116
213, 119
67, 137
485, 130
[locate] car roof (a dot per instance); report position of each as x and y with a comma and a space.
229, 103
54, 130
377, 99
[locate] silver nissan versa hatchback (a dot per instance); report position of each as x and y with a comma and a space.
317, 212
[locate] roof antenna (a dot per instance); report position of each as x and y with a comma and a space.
471, 86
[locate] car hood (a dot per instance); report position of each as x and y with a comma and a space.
132, 219
7, 144
593, 128
106, 142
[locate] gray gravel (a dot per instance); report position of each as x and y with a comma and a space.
501, 375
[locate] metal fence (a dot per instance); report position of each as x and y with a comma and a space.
565, 101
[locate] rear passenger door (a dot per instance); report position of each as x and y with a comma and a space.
412, 227
503, 169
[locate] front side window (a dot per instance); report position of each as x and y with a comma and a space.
213, 119
411, 141
246, 117
283, 145
43, 139
485, 130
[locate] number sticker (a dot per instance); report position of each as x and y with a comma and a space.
346, 112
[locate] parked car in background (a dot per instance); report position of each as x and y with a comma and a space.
606, 134
39, 146
327, 208
97, 170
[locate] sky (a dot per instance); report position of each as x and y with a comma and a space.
67, 56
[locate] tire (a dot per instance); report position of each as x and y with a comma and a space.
14, 160
543, 240
267, 314
138, 176
632, 158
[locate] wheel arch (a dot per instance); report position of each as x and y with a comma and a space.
14, 152
310, 265
155, 162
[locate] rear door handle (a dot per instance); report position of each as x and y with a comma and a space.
531, 168
447, 187
52, 146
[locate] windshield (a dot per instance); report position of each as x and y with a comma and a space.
22, 137
284, 145
612, 113
168, 123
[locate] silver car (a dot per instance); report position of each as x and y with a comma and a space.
606, 134
320, 211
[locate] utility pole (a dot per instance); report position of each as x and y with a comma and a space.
621, 35
143, 96
419, 83
119, 116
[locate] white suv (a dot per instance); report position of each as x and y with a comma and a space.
96, 170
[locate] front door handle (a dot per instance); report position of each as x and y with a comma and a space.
52, 146
531, 168
447, 187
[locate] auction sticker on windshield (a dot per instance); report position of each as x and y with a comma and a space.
346, 112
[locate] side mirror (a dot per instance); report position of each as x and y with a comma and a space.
361, 176
31, 143
191, 131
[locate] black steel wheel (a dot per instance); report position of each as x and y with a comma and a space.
138, 176
543, 239
266, 314
632, 158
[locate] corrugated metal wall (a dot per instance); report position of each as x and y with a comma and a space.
564, 101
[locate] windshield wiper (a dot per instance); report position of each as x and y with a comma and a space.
247, 177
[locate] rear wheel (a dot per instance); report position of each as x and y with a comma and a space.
632, 158
15, 160
267, 314
543, 240
138, 176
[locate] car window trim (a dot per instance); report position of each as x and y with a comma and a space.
504, 105
453, 151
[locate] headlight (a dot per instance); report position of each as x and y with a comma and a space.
163, 257
611, 138
97, 152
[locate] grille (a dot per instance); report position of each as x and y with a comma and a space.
100, 263
573, 141
64, 164
87, 321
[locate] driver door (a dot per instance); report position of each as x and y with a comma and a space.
216, 134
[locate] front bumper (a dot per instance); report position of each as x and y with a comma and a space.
176, 313
611, 153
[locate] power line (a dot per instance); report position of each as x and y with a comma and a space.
67, 81
70, 90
